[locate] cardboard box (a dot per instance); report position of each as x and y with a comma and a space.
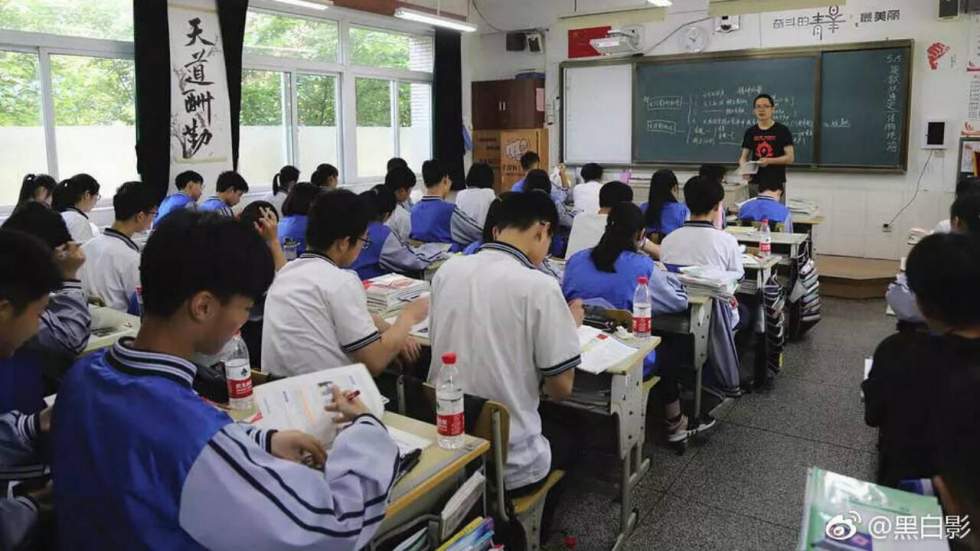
514, 144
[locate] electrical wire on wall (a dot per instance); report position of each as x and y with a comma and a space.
673, 32
918, 183
484, 18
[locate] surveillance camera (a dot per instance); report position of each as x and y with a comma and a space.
727, 23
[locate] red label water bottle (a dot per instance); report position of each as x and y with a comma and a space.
765, 241
449, 399
642, 308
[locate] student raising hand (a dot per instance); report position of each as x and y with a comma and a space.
346, 406
267, 224
69, 258
294, 445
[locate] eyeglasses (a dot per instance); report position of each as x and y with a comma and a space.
367, 242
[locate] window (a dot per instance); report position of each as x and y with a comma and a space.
415, 122
107, 19
263, 142
21, 130
316, 108
375, 133
287, 36
375, 48
95, 118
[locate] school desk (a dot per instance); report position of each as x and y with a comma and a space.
110, 326
696, 321
618, 393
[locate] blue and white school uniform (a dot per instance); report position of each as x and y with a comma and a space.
672, 216
586, 197
153, 466
79, 226
294, 227
765, 207
276, 200
215, 204
438, 221
558, 193
400, 220
174, 202
112, 269
19, 460
475, 202
699, 243
387, 254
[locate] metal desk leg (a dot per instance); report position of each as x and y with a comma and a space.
700, 324
627, 406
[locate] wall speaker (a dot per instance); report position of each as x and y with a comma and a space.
516, 42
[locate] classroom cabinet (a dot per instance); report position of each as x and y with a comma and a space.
508, 104
502, 150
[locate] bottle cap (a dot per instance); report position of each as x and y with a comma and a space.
449, 358
643, 280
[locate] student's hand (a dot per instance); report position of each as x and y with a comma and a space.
345, 409
69, 258
417, 310
267, 225
578, 311
411, 351
44, 497
295, 446
45, 417
764, 161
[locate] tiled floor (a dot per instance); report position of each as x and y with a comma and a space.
740, 487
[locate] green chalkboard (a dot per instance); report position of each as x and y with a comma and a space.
697, 111
863, 109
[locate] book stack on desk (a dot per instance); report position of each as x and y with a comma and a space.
706, 280
803, 207
388, 294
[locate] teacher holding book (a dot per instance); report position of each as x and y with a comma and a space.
767, 143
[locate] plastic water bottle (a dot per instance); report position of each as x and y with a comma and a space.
765, 242
642, 308
449, 396
238, 374
139, 300
290, 249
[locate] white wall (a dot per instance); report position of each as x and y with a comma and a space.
856, 205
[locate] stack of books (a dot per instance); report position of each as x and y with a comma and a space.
475, 536
804, 207
388, 294
706, 280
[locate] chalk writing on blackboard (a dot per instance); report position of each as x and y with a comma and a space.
894, 62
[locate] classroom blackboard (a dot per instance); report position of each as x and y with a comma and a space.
698, 111
863, 110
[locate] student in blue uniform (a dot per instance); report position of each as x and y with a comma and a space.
27, 276
37, 188
488, 226
537, 180
476, 198
35, 369
385, 253
662, 211
165, 469
529, 161
434, 220
190, 187
295, 214
325, 176
230, 187
560, 186
401, 180
767, 206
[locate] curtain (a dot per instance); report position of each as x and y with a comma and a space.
447, 97
151, 41
231, 14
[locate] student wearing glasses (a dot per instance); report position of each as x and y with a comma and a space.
768, 142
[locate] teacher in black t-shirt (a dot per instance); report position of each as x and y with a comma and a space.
768, 142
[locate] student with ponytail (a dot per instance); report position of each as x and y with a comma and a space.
325, 176
74, 198
282, 182
663, 212
609, 272
38, 188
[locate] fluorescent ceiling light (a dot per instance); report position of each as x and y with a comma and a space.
661, 3
437, 20
320, 5
717, 8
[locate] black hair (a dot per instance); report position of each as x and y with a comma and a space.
300, 199
41, 222
614, 192
767, 184
27, 271
400, 177
323, 172
772, 102
714, 172
662, 185
958, 440
967, 185
480, 176
231, 180
187, 177
537, 180
30, 184
943, 271
287, 176
592, 172
69, 192
396, 162
492, 213
702, 194
190, 252
133, 198
966, 209
625, 221
381, 201
253, 212
337, 214
432, 172
522, 210
529, 159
